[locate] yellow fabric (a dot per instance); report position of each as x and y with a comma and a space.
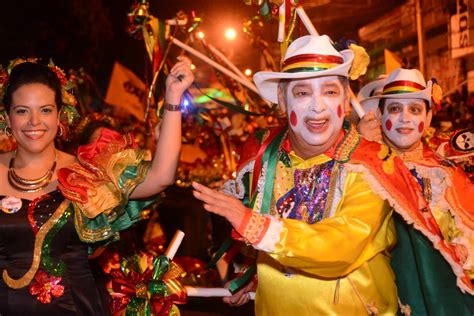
337, 266
451, 232
300, 163
109, 194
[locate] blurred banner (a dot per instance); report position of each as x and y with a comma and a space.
126, 91
461, 29
392, 61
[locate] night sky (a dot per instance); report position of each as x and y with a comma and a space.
92, 33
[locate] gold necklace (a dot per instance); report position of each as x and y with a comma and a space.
27, 185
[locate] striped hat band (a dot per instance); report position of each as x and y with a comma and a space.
310, 62
402, 86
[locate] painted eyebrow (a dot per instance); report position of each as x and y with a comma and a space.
416, 103
301, 85
395, 103
330, 85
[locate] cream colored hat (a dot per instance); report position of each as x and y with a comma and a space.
308, 56
373, 88
402, 84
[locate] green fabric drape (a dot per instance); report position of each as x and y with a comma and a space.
424, 279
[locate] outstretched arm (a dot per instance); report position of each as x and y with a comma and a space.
359, 229
163, 169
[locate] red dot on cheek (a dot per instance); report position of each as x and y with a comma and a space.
293, 119
421, 126
339, 111
388, 125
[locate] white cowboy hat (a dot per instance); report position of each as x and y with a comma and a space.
402, 84
371, 89
308, 56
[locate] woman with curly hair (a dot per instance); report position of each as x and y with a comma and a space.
54, 205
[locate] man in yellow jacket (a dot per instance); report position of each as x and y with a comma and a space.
311, 196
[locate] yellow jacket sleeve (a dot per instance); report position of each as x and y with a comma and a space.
360, 228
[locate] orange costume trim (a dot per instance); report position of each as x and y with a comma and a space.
460, 194
407, 199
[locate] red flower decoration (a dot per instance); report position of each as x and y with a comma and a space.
3, 81
60, 74
44, 286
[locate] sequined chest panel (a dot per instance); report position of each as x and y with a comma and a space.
308, 194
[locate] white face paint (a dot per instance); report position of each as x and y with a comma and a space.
315, 109
403, 122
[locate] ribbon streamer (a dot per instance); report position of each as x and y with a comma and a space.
229, 105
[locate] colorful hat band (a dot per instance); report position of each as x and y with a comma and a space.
402, 86
311, 62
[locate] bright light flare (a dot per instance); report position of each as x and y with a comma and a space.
201, 35
248, 72
230, 34
185, 103
193, 66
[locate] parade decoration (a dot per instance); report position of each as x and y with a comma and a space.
143, 284
436, 95
457, 147
360, 62
213, 137
44, 286
241, 100
253, 28
142, 25
221, 160
6, 143
95, 117
219, 67
266, 8
146, 285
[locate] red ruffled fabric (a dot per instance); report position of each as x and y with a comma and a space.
75, 183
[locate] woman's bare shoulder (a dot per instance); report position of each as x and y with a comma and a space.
65, 159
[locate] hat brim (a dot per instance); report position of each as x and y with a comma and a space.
372, 103
267, 81
369, 88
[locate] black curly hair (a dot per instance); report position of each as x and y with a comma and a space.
29, 73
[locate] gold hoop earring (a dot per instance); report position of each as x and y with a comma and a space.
8, 131
60, 131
